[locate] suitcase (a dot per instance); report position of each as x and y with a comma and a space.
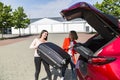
53, 54
85, 53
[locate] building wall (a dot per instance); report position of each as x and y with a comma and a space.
23, 31
62, 27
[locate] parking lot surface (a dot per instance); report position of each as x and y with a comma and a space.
16, 59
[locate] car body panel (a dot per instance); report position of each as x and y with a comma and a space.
111, 49
104, 72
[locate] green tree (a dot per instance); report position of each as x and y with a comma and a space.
5, 17
20, 19
1, 9
111, 7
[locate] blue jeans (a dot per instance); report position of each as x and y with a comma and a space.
72, 68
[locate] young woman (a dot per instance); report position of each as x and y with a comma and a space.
37, 59
68, 44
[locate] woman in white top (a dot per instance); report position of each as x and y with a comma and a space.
37, 59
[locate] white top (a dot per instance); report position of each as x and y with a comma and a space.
70, 48
34, 45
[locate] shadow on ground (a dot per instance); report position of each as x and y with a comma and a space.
57, 74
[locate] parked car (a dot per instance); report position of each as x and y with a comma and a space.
99, 55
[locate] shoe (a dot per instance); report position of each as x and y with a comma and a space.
62, 78
59, 71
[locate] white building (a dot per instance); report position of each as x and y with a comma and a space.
55, 25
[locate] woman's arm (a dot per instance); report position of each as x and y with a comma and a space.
66, 44
34, 44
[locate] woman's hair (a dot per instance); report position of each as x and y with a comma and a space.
42, 33
74, 35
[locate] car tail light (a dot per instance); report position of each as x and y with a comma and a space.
101, 60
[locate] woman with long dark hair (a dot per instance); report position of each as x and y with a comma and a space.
37, 59
68, 44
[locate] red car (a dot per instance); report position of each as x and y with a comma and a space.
100, 55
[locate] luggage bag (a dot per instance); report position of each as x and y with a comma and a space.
53, 54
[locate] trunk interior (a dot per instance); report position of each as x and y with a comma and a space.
96, 42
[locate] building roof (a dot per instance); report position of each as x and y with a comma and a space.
63, 20
45, 21
60, 19
34, 19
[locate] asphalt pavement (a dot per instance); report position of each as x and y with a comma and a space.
17, 61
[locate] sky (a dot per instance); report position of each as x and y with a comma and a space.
44, 8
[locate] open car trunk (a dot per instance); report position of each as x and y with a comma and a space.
95, 42
101, 49
107, 26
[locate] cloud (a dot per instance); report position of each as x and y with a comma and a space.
13, 3
51, 9
47, 9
